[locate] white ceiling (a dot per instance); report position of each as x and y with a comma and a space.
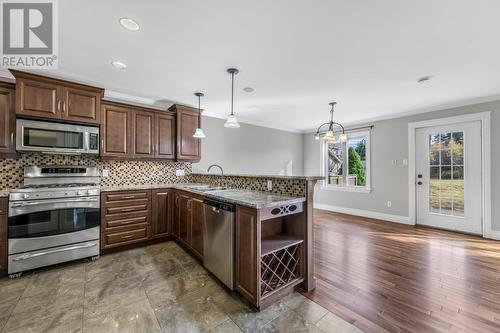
298, 55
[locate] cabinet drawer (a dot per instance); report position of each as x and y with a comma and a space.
141, 207
130, 221
126, 236
124, 196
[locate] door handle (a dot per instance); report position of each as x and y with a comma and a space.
76, 247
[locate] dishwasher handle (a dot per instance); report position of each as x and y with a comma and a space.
218, 206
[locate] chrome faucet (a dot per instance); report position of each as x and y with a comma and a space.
221, 181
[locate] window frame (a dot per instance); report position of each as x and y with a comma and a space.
324, 165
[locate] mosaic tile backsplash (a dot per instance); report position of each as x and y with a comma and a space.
291, 187
120, 172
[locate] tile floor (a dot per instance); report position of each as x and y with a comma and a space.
158, 288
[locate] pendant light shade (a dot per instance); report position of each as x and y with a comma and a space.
332, 132
198, 133
231, 121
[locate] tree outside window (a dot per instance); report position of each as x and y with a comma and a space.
355, 161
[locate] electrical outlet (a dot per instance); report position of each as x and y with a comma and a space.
269, 185
180, 172
105, 173
405, 161
389, 204
394, 162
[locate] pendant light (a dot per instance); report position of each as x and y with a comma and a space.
231, 121
329, 134
198, 133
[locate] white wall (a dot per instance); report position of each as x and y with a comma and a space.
250, 149
389, 141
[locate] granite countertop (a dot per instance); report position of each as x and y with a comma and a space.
248, 198
261, 176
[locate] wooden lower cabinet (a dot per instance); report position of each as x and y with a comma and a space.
247, 254
161, 213
3, 236
197, 221
190, 220
125, 218
129, 217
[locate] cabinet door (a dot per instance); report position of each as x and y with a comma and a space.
247, 273
81, 105
161, 214
165, 136
3, 234
7, 121
176, 215
38, 98
188, 148
185, 219
115, 125
143, 134
197, 221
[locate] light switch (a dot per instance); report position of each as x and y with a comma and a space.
269, 185
105, 173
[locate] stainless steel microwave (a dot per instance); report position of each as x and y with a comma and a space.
55, 138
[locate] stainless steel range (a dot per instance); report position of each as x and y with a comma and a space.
54, 217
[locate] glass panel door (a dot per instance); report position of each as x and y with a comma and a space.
446, 173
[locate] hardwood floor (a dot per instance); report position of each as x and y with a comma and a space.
388, 277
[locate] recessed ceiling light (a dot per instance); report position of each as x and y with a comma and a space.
118, 65
129, 24
424, 79
248, 89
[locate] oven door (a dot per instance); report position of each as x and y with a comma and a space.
50, 218
53, 138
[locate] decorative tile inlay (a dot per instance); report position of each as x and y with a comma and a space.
291, 187
120, 172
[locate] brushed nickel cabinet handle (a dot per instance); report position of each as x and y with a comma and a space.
127, 236
59, 106
64, 106
11, 138
129, 197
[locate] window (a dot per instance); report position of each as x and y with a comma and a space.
353, 156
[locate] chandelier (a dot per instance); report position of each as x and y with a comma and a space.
334, 132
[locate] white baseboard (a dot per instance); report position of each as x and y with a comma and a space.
492, 234
365, 213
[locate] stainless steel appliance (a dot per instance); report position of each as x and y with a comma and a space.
56, 138
218, 240
54, 217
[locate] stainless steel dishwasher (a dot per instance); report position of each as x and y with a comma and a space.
218, 240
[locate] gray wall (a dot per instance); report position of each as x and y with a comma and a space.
250, 149
389, 141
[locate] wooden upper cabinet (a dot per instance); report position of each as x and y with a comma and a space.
165, 135
7, 119
143, 134
41, 96
115, 130
188, 119
38, 99
81, 105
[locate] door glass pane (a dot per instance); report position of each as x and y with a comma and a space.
446, 170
